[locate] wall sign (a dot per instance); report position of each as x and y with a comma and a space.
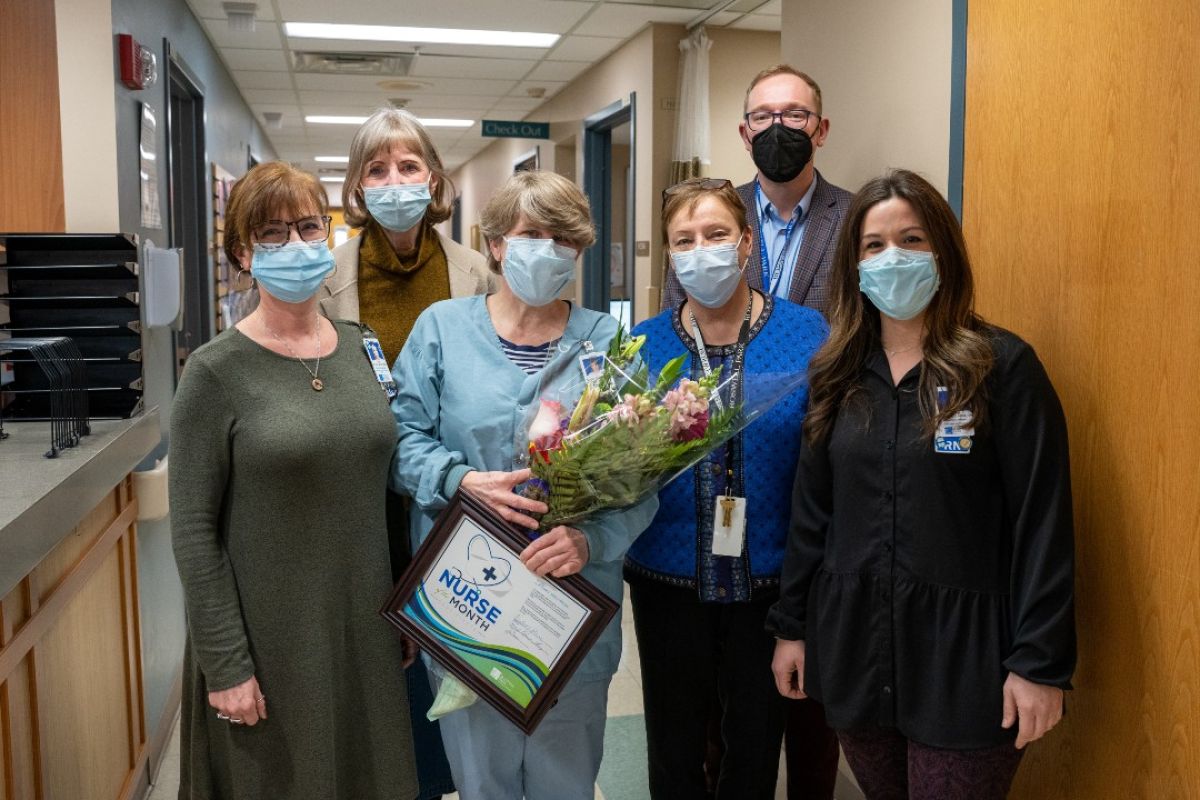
503, 129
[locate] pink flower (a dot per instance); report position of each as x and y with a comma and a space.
546, 431
687, 406
632, 410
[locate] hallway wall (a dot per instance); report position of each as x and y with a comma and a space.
884, 72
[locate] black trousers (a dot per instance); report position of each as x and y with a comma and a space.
692, 652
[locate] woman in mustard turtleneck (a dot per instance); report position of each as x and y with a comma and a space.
396, 190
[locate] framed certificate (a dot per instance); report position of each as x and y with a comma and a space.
512, 637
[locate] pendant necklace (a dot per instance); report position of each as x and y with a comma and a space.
317, 383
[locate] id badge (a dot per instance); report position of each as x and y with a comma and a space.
955, 435
379, 365
729, 526
592, 366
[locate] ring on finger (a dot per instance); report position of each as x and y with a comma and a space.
262, 699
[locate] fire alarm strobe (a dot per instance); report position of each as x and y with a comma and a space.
139, 65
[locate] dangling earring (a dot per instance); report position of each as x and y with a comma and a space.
237, 287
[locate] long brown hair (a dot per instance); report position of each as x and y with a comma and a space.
957, 352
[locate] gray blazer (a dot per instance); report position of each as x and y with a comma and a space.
810, 279
338, 296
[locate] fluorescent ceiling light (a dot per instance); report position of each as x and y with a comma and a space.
428, 123
333, 180
333, 159
391, 33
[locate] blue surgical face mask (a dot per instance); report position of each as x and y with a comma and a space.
397, 207
901, 283
292, 273
537, 269
709, 275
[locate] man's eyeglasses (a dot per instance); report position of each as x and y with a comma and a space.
709, 184
276, 232
790, 117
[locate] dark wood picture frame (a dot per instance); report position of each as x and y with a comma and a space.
600, 611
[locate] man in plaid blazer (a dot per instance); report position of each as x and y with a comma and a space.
781, 127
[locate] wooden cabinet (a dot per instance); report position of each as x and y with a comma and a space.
72, 716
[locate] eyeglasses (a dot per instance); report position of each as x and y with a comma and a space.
276, 232
790, 117
708, 184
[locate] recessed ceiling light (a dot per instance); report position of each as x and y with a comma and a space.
428, 123
333, 159
391, 33
333, 180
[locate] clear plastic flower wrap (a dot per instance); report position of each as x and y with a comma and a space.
620, 435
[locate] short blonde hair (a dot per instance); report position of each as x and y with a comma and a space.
269, 188
546, 199
384, 129
783, 69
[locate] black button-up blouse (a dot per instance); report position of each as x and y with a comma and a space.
918, 579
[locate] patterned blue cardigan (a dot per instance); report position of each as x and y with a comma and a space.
677, 547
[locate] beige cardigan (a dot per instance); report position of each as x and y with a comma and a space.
338, 296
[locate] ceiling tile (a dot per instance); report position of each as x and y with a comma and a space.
692, 5
757, 22
623, 20
214, 9
558, 70
258, 60
263, 80
459, 67
548, 16
269, 95
348, 102
722, 19
551, 88
585, 48
459, 50
773, 7
523, 104
359, 83
265, 36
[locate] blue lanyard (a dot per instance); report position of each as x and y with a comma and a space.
771, 277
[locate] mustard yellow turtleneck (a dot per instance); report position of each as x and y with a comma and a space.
393, 290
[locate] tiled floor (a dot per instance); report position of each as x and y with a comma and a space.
623, 773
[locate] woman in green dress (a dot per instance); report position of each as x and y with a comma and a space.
280, 444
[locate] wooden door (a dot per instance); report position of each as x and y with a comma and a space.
1081, 204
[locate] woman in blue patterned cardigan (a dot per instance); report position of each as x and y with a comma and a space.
700, 588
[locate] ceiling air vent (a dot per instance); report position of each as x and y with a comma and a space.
353, 63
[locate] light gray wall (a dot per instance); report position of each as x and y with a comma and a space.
885, 74
230, 128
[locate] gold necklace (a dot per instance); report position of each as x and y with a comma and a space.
317, 383
894, 353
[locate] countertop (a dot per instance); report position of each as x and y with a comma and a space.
43, 499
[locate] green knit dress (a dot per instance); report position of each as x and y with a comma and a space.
277, 517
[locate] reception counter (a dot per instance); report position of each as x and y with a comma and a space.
72, 702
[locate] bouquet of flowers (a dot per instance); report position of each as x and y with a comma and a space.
628, 435
618, 436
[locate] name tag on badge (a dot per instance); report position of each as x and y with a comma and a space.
729, 526
379, 365
956, 435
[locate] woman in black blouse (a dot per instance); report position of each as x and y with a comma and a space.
927, 595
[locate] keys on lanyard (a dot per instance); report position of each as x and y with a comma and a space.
729, 513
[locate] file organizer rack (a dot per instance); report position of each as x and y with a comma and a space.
81, 286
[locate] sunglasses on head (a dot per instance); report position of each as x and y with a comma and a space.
709, 184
